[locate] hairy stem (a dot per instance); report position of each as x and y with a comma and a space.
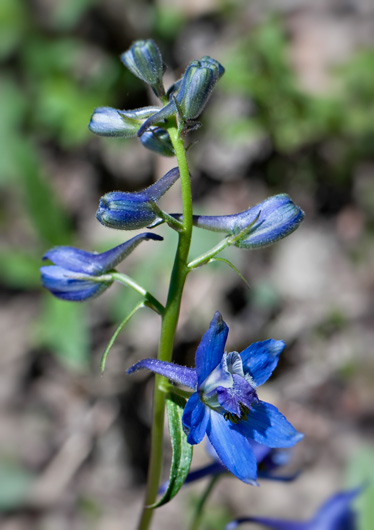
169, 324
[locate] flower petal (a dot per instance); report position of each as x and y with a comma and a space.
232, 448
195, 419
240, 393
266, 425
211, 348
336, 513
260, 359
92, 263
174, 372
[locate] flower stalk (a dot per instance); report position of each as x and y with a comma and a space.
169, 324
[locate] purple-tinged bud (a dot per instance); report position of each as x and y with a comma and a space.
144, 60
189, 95
262, 225
158, 140
130, 211
106, 121
78, 275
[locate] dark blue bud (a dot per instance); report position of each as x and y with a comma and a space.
197, 85
106, 121
189, 95
264, 224
130, 211
144, 60
78, 275
158, 140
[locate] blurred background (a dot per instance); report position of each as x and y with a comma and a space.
294, 113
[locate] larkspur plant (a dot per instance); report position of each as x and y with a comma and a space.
222, 401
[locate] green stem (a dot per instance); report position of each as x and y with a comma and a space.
149, 299
209, 254
169, 324
199, 508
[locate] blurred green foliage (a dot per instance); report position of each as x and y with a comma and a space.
360, 472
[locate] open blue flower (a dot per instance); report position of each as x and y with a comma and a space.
78, 275
225, 405
335, 514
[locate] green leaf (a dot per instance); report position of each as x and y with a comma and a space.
62, 328
117, 332
182, 450
235, 269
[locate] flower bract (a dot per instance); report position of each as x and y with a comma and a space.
131, 211
78, 275
335, 514
225, 405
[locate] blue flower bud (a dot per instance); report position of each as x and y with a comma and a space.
158, 140
78, 275
106, 121
130, 211
144, 60
189, 95
262, 225
197, 85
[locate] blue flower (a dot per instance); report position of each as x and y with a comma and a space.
225, 405
261, 225
78, 275
335, 514
131, 211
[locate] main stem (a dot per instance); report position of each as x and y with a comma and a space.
169, 325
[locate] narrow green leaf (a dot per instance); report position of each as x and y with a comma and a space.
228, 262
116, 333
182, 451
